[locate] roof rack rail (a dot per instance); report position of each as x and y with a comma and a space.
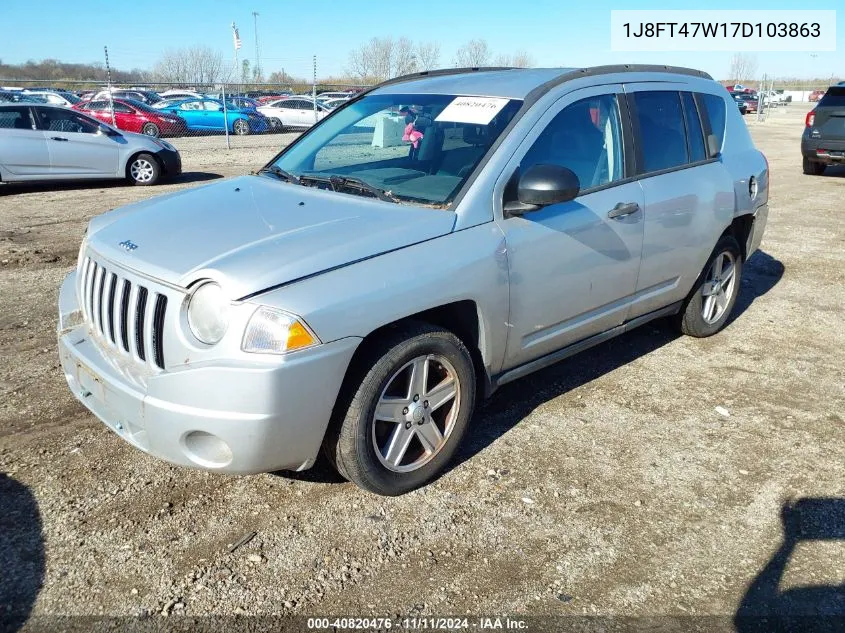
440, 72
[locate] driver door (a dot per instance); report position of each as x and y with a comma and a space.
574, 265
76, 146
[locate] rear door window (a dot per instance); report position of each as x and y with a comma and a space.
715, 111
695, 134
662, 132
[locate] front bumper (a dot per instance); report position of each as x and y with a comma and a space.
171, 160
233, 416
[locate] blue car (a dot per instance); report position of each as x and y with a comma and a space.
209, 115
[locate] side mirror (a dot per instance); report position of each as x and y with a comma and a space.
543, 185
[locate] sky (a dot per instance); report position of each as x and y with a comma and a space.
554, 32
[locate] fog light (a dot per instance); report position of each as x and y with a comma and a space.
207, 449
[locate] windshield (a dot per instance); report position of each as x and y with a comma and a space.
412, 148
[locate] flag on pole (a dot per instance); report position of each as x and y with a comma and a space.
236, 36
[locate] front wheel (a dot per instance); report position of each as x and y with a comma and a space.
402, 416
708, 306
144, 170
241, 127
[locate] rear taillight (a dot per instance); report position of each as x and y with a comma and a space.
811, 118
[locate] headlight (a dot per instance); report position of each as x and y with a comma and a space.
272, 331
208, 313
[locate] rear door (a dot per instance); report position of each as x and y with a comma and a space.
23, 148
76, 146
830, 115
689, 197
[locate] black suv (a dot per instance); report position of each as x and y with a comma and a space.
823, 142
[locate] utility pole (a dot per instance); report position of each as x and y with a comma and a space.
108, 86
257, 70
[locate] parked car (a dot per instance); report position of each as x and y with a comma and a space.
270, 98
823, 141
65, 99
325, 96
331, 104
135, 116
46, 142
362, 295
294, 112
750, 101
179, 93
741, 105
144, 96
209, 115
816, 95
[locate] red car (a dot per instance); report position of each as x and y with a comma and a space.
816, 95
134, 116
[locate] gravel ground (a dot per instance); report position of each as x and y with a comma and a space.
607, 485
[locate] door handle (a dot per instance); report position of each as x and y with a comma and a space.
623, 209
57, 138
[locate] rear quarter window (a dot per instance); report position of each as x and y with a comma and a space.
834, 98
715, 111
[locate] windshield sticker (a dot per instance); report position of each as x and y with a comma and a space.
477, 110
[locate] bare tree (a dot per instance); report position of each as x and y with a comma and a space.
428, 55
520, 59
382, 58
743, 67
472, 54
199, 65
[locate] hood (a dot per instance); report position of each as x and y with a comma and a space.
255, 232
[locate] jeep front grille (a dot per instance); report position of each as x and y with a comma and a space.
128, 316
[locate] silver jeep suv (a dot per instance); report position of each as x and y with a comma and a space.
434, 238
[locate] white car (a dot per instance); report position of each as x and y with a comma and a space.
45, 142
54, 98
180, 94
296, 112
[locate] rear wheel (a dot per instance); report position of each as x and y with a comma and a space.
144, 170
151, 129
401, 417
241, 127
275, 125
812, 168
710, 303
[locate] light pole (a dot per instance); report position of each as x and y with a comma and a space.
257, 64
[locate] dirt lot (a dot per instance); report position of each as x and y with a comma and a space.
607, 485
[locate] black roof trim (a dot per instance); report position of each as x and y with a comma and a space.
613, 69
440, 72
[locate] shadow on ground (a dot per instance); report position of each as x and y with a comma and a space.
79, 185
21, 553
766, 608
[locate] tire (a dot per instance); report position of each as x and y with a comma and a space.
426, 435
144, 170
812, 168
151, 129
702, 299
240, 127
276, 126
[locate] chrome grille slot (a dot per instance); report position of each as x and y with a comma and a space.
158, 330
128, 316
110, 307
124, 315
140, 320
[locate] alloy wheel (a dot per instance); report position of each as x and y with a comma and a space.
416, 413
718, 287
141, 170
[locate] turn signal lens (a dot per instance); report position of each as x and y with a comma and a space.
811, 118
272, 331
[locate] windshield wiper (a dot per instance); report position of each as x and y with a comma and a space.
281, 173
339, 182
